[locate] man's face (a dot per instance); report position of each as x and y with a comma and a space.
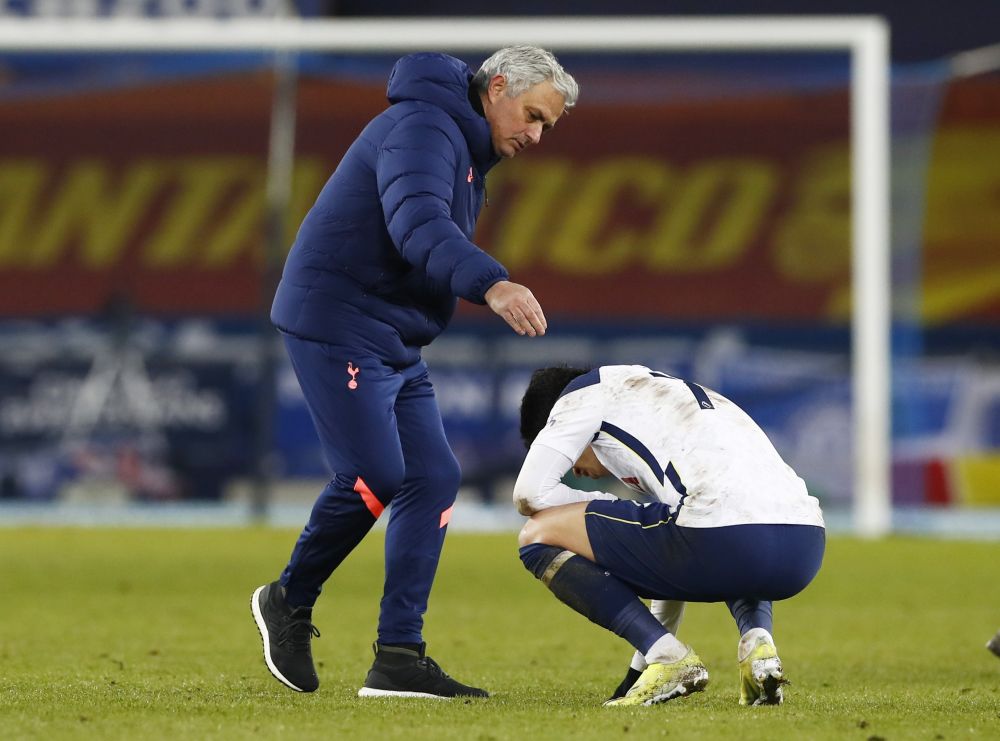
588, 466
517, 123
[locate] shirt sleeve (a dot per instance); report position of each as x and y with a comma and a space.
539, 484
574, 421
416, 172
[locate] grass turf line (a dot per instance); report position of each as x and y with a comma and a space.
110, 633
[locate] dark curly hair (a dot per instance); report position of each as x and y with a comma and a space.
543, 390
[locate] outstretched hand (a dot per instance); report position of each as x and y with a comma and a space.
518, 307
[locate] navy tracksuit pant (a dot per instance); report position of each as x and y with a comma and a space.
383, 439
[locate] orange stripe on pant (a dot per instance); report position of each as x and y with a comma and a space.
371, 501
446, 516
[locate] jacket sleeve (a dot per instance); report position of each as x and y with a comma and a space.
416, 172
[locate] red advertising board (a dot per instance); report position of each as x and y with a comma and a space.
693, 210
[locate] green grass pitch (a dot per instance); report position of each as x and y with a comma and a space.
109, 633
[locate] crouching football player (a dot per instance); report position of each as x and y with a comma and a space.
722, 518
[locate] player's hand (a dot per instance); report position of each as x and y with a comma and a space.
517, 306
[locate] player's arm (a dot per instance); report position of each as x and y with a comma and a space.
539, 484
572, 423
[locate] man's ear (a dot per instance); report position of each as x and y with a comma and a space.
496, 88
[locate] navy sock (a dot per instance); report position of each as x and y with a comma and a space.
750, 613
594, 593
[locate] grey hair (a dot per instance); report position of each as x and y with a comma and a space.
525, 66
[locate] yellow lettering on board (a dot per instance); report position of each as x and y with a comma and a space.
86, 209
812, 243
21, 183
202, 183
535, 189
716, 210
242, 225
580, 243
239, 227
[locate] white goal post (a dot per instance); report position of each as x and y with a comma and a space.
865, 38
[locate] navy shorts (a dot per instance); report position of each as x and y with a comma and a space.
644, 546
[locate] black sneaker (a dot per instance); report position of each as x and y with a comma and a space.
286, 633
402, 672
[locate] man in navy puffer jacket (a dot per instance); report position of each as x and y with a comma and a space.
374, 275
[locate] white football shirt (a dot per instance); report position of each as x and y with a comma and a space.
672, 440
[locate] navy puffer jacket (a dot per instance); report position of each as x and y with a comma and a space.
382, 255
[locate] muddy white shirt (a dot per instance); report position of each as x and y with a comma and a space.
672, 441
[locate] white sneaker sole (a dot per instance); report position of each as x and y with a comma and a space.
258, 618
371, 692
769, 678
694, 683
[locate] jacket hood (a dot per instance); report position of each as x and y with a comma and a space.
443, 81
